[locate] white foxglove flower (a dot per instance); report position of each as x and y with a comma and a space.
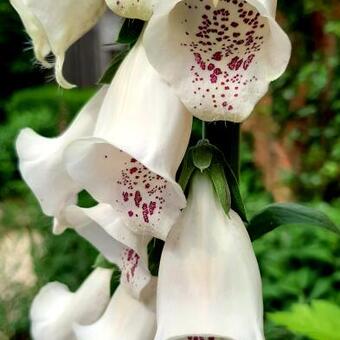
126, 318
220, 60
140, 9
139, 141
102, 227
41, 161
209, 282
55, 25
55, 309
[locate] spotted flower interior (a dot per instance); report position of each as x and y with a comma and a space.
226, 55
225, 44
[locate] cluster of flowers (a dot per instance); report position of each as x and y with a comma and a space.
204, 58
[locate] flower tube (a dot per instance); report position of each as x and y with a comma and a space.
126, 318
139, 141
219, 59
104, 229
53, 28
41, 161
55, 309
215, 291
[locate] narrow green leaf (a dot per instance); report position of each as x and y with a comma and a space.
102, 262
128, 35
187, 170
217, 176
236, 198
202, 157
130, 31
112, 69
280, 214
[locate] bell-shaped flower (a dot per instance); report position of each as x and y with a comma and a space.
41, 161
139, 141
219, 59
139, 9
55, 25
209, 282
126, 318
104, 229
55, 309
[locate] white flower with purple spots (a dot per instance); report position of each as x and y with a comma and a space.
209, 285
219, 59
41, 162
53, 28
55, 309
104, 229
139, 141
125, 318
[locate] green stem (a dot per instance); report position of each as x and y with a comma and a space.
204, 130
226, 136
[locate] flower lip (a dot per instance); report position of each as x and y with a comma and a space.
41, 161
104, 229
140, 194
55, 308
219, 60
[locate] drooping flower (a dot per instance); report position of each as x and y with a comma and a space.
215, 291
140, 9
220, 60
126, 318
41, 161
139, 141
55, 309
104, 229
53, 28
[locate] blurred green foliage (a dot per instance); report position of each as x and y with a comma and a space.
318, 321
307, 97
297, 265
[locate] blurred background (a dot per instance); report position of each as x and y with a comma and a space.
290, 152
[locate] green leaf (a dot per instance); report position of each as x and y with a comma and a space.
217, 176
113, 68
130, 31
128, 35
283, 214
102, 262
202, 156
236, 198
187, 170
318, 321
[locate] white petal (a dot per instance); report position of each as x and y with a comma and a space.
125, 318
141, 136
55, 309
53, 27
209, 282
102, 227
41, 160
138, 9
35, 30
220, 60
